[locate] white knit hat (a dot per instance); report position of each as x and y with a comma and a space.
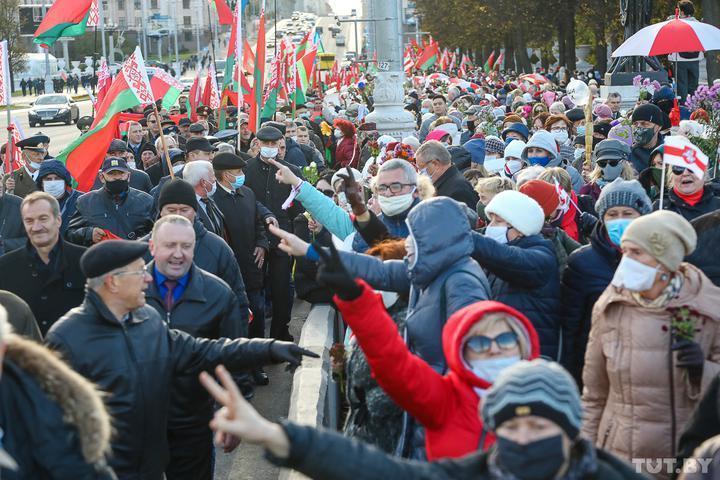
519, 210
514, 149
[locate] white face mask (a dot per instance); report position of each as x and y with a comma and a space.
497, 233
338, 133
35, 165
561, 137
56, 188
634, 276
494, 164
392, 206
489, 369
268, 152
177, 168
131, 165
512, 167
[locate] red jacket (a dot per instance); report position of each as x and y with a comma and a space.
347, 153
447, 406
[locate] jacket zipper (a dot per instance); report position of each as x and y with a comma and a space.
607, 434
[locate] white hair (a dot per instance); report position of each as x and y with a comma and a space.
196, 171
530, 173
399, 164
224, 147
169, 141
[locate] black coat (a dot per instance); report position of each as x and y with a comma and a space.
708, 203
49, 290
452, 184
137, 361
705, 256
129, 219
245, 227
704, 422
589, 271
207, 308
260, 178
322, 454
20, 316
306, 286
12, 230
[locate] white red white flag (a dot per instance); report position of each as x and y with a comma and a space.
681, 152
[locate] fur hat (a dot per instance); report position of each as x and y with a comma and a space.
519, 210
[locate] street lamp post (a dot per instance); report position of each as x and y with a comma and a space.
48, 81
144, 28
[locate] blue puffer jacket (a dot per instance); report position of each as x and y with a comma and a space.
443, 279
524, 275
589, 271
396, 227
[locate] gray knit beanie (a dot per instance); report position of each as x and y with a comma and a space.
537, 387
623, 193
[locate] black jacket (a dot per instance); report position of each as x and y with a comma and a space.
137, 361
452, 184
708, 203
322, 454
245, 227
20, 316
260, 178
293, 154
705, 256
704, 422
207, 308
131, 218
12, 230
589, 271
306, 286
50, 290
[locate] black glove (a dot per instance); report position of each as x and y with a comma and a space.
333, 274
587, 222
353, 192
289, 352
690, 356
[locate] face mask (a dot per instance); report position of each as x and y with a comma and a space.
268, 152
494, 164
338, 134
424, 110
537, 460
212, 190
35, 165
610, 173
392, 206
633, 275
578, 153
643, 135
239, 181
497, 233
542, 161
508, 140
581, 131
177, 168
560, 137
512, 167
116, 187
490, 368
131, 165
56, 188
616, 228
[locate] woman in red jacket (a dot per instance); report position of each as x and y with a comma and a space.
478, 341
347, 150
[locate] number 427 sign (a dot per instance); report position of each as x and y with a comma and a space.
384, 66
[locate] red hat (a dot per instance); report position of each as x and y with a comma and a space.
544, 194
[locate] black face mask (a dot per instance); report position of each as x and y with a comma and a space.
537, 460
116, 187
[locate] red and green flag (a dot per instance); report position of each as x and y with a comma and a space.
258, 76
225, 15
429, 56
305, 73
489, 63
65, 18
129, 89
165, 86
499, 62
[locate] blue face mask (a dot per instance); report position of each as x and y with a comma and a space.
508, 140
581, 131
239, 181
616, 228
542, 161
424, 110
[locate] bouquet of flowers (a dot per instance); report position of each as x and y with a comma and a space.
684, 323
311, 173
707, 100
647, 87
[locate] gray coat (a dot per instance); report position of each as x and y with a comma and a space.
12, 231
443, 279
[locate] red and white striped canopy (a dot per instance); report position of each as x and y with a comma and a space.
672, 36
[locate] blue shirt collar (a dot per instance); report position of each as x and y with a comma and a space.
160, 278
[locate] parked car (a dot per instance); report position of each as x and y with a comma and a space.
53, 107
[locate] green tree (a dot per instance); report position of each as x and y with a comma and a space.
10, 31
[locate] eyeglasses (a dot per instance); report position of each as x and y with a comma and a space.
558, 129
678, 170
604, 163
141, 271
482, 344
328, 193
395, 187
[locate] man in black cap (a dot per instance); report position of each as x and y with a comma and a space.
199, 149
45, 272
196, 130
84, 123
12, 232
293, 154
125, 347
183, 130
138, 178
22, 181
260, 178
116, 209
245, 226
647, 120
204, 115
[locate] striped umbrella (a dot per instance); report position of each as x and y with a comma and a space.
672, 36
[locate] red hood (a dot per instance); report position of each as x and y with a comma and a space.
460, 323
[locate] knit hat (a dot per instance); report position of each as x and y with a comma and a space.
603, 111
536, 387
621, 132
514, 149
513, 118
177, 191
542, 139
494, 145
517, 128
665, 235
543, 193
519, 210
648, 112
623, 193
437, 134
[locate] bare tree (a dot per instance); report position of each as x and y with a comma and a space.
10, 31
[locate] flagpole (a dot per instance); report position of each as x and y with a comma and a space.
662, 185
7, 93
162, 141
212, 37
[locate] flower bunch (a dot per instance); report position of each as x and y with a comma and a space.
705, 105
705, 97
405, 152
647, 87
311, 173
684, 322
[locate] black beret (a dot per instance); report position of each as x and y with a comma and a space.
177, 191
197, 128
278, 125
649, 113
228, 161
575, 114
184, 122
117, 145
269, 134
104, 257
148, 147
199, 144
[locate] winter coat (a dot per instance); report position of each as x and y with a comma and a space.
563, 245
708, 465
705, 255
137, 361
130, 219
589, 271
523, 275
306, 285
635, 400
443, 280
336, 220
50, 290
707, 204
24, 183
12, 230
347, 152
293, 154
591, 189
20, 316
54, 423
461, 159
425, 127
396, 227
68, 207
452, 184
323, 454
446, 405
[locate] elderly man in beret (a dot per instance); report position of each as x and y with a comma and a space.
126, 348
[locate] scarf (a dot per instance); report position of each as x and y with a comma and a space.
692, 199
671, 291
